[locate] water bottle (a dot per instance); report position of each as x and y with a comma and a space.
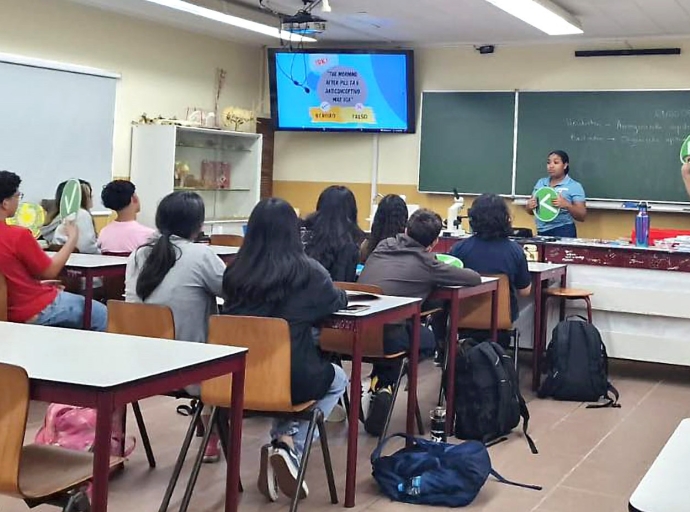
438, 425
413, 486
642, 225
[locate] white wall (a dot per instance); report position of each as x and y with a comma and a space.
164, 70
347, 157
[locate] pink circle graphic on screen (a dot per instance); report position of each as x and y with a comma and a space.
342, 86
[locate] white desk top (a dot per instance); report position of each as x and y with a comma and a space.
535, 266
665, 486
222, 250
78, 260
97, 359
383, 303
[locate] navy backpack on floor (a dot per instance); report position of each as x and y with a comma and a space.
431, 473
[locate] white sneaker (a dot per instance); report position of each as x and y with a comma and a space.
338, 414
285, 464
267, 483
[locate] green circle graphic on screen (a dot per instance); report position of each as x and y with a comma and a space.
450, 260
545, 210
70, 202
685, 150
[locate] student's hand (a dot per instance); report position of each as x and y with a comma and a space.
532, 203
71, 232
561, 202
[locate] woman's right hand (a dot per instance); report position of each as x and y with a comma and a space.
532, 203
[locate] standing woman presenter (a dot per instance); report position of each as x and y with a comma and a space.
570, 199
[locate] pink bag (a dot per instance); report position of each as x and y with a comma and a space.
74, 428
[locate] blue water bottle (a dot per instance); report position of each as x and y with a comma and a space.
642, 225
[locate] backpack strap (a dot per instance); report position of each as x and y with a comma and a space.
516, 484
376, 454
610, 402
525, 421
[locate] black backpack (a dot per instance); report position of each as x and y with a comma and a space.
577, 366
488, 403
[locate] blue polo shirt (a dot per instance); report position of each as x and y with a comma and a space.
571, 190
497, 256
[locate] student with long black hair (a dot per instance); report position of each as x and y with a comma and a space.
273, 277
332, 235
390, 220
171, 270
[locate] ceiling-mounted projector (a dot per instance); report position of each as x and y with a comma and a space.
303, 23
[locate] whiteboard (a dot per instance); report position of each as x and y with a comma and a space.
56, 123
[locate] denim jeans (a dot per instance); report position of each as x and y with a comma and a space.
298, 429
567, 231
67, 310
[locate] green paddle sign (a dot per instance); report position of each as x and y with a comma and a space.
70, 202
685, 150
450, 260
545, 210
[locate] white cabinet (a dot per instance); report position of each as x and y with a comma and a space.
223, 167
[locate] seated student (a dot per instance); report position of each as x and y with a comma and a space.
332, 236
171, 270
54, 232
490, 251
390, 220
24, 265
124, 234
273, 277
404, 266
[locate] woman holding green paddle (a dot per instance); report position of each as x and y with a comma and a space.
562, 208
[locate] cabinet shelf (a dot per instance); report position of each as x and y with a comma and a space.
158, 151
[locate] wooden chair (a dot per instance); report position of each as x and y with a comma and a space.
147, 320
266, 393
34, 473
3, 299
227, 240
339, 343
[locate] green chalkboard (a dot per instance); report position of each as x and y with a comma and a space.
622, 144
467, 142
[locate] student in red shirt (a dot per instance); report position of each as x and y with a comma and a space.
25, 265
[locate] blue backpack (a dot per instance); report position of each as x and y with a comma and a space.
431, 473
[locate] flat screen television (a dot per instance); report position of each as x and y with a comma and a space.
342, 90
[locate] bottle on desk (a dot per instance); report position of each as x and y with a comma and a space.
642, 225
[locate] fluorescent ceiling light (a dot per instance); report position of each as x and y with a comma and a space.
541, 14
235, 21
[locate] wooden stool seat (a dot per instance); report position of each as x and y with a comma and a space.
568, 293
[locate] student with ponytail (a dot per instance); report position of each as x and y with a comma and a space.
171, 270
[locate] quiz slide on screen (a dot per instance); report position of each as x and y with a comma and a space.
342, 91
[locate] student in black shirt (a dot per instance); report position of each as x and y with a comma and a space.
332, 236
273, 277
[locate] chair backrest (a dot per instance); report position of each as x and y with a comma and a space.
227, 240
113, 253
14, 409
475, 312
137, 319
3, 299
267, 385
371, 338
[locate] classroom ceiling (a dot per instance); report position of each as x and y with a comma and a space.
430, 22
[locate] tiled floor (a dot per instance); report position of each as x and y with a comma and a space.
589, 460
